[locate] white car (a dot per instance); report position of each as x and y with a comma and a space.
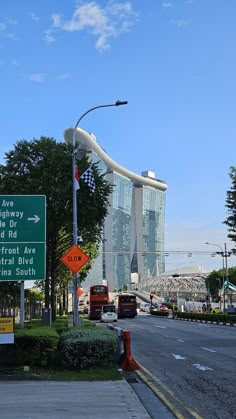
143, 305
108, 313
147, 308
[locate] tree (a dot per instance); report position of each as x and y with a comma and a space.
215, 280
43, 167
231, 205
9, 297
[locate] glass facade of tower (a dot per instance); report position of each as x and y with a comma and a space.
133, 233
121, 230
153, 231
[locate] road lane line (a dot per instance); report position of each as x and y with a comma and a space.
161, 327
203, 325
207, 349
180, 340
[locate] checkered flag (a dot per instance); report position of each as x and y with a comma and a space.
88, 178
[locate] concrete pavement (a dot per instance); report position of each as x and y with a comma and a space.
66, 400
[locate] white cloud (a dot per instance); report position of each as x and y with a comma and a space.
5, 33
62, 77
2, 27
167, 4
37, 77
15, 63
102, 22
33, 16
180, 23
49, 38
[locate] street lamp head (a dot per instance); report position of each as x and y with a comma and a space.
121, 102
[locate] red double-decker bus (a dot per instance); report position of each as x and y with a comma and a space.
126, 305
98, 297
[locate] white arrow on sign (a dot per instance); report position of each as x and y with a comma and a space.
35, 218
178, 356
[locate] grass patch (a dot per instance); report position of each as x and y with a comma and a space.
97, 374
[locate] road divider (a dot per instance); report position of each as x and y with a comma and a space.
123, 352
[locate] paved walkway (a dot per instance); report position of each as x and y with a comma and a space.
67, 400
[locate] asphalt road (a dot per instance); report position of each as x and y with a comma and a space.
194, 363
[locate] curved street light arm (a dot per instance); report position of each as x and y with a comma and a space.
117, 103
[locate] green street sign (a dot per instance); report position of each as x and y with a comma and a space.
22, 237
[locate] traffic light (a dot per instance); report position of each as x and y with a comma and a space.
151, 296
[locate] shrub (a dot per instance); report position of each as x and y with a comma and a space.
213, 317
87, 348
34, 347
159, 313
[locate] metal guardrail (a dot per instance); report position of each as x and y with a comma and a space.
120, 342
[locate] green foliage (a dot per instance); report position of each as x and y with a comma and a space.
218, 318
96, 374
34, 295
215, 280
44, 166
231, 205
87, 348
159, 313
33, 347
9, 295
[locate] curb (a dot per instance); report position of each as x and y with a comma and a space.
165, 395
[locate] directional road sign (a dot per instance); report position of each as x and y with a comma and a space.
22, 237
75, 258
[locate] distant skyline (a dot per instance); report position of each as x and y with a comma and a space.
174, 61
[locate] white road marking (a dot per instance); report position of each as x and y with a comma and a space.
178, 356
161, 327
179, 340
207, 349
202, 367
203, 325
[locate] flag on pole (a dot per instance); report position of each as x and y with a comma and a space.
88, 178
76, 179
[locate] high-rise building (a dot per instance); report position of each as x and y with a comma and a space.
133, 233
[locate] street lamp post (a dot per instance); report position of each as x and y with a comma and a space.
75, 220
225, 254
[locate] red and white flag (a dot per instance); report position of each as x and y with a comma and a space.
76, 179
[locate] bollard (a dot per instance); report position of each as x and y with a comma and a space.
127, 361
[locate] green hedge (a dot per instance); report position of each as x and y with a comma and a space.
32, 347
213, 317
159, 313
87, 348
75, 348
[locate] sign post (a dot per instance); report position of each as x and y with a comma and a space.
22, 237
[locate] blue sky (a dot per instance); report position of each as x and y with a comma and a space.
174, 61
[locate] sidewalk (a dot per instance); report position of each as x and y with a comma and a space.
63, 399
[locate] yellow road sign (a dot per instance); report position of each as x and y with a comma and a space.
6, 324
